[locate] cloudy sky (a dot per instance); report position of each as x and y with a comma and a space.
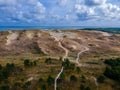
60, 12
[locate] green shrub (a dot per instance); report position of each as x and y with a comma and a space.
101, 79
78, 69
5, 87
43, 87
50, 80
113, 70
48, 60
73, 78
27, 63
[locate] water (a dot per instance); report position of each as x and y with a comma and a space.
41, 27
111, 30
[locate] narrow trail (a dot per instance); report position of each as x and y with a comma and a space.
79, 64
65, 56
78, 56
96, 83
59, 40
66, 51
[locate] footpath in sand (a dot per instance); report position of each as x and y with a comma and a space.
59, 40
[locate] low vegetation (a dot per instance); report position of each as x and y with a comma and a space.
113, 69
28, 63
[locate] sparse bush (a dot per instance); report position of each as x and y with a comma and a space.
83, 87
62, 76
34, 63
27, 63
26, 85
87, 88
50, 80
73, 78
7, 70
66, 63
5, 87
52, 69
43, 87
72, 66
101, 79
41, 80
17, 84
48, 60
37, 49
1, 67
78, 69
60, 58
83, 78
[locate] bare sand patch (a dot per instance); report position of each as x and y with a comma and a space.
12, 36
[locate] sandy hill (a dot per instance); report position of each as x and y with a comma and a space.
46, 51
40, 41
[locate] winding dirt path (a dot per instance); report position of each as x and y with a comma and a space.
78, 56
96, 83
79, 64
66, 51
65, 56
59, 40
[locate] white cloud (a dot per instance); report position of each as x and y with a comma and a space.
62, 2
94, 2
111, 11
84, 9
84, 12
29, 10
52, 11
97, 9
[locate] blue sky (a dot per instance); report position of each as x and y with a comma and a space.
60, 13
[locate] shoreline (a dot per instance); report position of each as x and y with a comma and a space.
23, 28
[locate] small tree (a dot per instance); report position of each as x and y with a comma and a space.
50, 80
72, 66
83, 78
60, 58
62, 76
17, 84
5, 87
52, 69
73, 78
1, 67
31, 64
101, 79
48, 60
87, 88
27, 63
66, 64
78, 69
35, 63
43, 87
41, 80
26, 84
82, 87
